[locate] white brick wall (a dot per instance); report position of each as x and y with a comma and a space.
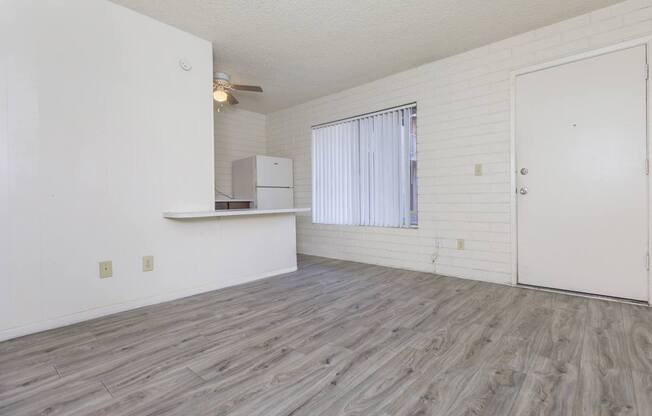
463, 119
238, 134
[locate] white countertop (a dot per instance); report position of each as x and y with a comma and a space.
231, 213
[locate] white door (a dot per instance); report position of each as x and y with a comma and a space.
582, 215
274, 171
274, 198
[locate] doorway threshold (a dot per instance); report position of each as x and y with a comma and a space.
585, 295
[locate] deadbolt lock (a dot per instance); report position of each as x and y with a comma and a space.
523, 171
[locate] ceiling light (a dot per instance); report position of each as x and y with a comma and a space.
220, 95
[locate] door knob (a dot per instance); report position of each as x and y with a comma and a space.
523, 190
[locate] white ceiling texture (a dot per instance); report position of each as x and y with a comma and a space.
298, 50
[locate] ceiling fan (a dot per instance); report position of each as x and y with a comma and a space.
223, 89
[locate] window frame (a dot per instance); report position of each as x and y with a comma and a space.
408, 213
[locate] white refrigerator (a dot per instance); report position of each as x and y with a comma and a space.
267, 180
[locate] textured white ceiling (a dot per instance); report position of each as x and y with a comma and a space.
303, 49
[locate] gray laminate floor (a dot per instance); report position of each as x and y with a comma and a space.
342, 338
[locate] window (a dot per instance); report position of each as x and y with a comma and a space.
364, 170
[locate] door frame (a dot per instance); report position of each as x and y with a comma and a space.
647, 41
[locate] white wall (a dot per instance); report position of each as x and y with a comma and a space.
463, 119
238, 134
100, 132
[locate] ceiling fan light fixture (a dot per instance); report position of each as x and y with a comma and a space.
220, 95
223, 89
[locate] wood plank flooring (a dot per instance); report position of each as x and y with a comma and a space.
342, 338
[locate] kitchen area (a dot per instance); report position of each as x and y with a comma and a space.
261, 185
249, 206
255, 223
261, 182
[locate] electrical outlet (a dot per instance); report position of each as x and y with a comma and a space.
460, 244
148, 263
106, 269
477, 169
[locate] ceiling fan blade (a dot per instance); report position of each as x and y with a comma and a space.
231, 99
254, 88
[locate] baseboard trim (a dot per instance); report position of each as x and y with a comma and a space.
88, 314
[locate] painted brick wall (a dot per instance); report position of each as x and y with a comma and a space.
463, 119
238, 134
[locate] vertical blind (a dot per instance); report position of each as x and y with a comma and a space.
361, 170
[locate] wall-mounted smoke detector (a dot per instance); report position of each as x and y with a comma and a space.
185, 65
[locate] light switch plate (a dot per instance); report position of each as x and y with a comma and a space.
477, 169
148, 263
106, 269
460, 244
